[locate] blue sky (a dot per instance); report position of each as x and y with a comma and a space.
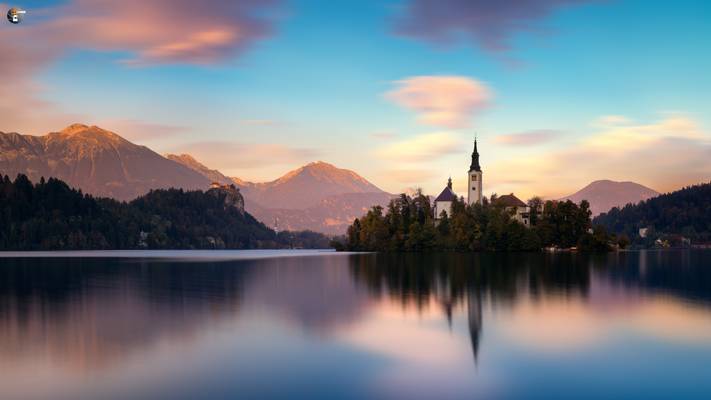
315, 86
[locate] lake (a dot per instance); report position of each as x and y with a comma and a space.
285, 325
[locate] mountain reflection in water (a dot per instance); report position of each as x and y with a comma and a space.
353, 326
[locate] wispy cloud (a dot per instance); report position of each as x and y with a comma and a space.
666, 154
132, 129
149, 32
421, 148
530, 138
383, 135
410, 176
234, 156
488, 23
162, 31
443, 101
258, 122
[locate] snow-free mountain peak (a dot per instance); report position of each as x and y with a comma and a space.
605, 194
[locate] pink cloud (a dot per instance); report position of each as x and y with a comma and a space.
444, 101
149, 32
489, 23
163, 31
530, 138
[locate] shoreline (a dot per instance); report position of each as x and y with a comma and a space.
172, 254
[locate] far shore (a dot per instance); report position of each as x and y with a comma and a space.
170, 254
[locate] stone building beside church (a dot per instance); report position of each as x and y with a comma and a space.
475, 194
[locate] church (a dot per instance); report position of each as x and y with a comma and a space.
475, 185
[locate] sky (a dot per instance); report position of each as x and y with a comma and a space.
559, 93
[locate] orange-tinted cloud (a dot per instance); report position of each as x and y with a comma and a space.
149, 32
667, 155
234, 157
421, 148
444, 101
162, 31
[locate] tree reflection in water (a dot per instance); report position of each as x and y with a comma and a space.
498, 280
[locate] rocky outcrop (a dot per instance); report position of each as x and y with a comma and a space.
230, 194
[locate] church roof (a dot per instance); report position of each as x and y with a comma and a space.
474, 166
509, 200
446, 195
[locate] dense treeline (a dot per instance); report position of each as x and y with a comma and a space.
408, 225
50, 215
686, 212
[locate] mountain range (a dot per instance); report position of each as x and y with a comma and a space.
95, 160
606, 194
318, 196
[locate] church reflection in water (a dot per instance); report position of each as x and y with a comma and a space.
500, 280
91, 313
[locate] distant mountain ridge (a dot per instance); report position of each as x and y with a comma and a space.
306, 186
98, 161
603, 195
318, 196
212, 174
684, 212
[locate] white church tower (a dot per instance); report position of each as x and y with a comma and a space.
475, 175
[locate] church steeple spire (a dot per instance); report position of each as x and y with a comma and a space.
474, 195
475, 160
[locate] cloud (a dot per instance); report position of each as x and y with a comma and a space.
443, 101
229, 156
608, 120
411, 176
141, 130
258, 122
530, 138
667, 154
147, 32
488, 23
383, 135
421, 148
162, 31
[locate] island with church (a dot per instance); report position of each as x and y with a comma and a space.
497, 223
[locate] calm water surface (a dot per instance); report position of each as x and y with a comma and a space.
193, 326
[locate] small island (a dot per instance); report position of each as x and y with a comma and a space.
497, 223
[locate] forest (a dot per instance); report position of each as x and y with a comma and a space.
686, 212
408, 225
50, 215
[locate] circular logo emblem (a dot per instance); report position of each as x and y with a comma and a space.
14, 15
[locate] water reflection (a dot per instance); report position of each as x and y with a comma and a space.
384, 326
